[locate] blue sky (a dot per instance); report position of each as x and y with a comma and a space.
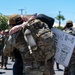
48, 7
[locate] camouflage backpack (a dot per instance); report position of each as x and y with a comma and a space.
44, 39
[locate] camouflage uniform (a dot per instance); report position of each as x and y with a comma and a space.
41, 61
70, 70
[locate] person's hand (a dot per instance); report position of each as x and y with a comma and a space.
24, 24
24, 18
32, 17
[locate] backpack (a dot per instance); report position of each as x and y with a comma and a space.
44, 46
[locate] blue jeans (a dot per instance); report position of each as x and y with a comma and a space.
18, 68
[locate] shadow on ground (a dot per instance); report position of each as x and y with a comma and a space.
9, 69
59, 70
2, 72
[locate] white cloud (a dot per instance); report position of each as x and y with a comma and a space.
57, 24
74, 25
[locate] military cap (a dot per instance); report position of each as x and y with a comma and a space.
15, 19
69, 21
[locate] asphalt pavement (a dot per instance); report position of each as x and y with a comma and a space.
8, 71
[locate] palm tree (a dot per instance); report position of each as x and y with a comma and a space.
59, 18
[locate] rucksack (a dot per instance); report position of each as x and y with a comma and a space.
43, 38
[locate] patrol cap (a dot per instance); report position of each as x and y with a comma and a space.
69, 21
15, 19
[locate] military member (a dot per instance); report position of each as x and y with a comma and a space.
16, 22
70, 70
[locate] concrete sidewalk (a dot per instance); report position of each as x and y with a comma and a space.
8, 71
57, 72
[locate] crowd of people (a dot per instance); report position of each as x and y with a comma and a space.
17, 22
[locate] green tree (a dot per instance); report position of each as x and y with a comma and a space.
59, 18
3, 22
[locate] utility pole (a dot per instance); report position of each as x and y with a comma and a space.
21, 11
59, 18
